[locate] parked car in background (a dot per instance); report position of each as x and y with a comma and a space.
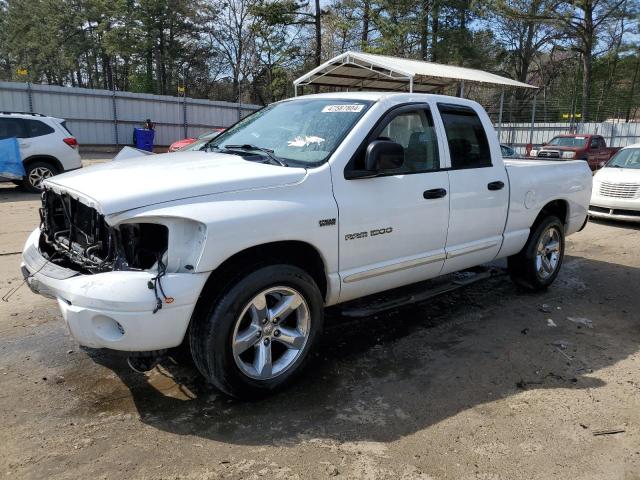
616, 187
47, 147
591, 148
507, 151
201, 141
180, 144
310, 202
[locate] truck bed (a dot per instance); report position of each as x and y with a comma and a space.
535, 183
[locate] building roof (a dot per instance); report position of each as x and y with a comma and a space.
357, 70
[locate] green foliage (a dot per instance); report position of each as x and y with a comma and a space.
254, 49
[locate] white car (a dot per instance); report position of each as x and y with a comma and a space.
616, 187
307, 203
47, 148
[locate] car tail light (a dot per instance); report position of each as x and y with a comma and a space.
71, 141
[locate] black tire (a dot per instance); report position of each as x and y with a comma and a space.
523, 267
28, 183
213, 329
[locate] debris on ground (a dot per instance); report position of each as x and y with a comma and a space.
545, 308
332, 470
524, 331
551, 323
611, 431
581, 321
562, 344
523, 384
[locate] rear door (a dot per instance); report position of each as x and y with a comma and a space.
478, 185
38, 137
393, 226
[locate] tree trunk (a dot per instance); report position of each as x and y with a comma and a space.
586, 84
149, 72
435, 30
424, 29
318, 34
366, 13
587, 52
318, 24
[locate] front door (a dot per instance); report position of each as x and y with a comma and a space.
393, 226
479, 189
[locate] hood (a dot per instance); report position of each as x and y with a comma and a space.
560, 148
122, 185
618, 175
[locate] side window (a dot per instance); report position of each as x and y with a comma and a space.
414, 130
36, 128
11, 127
594, 143
468, 144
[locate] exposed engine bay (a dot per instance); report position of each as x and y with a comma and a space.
76, 236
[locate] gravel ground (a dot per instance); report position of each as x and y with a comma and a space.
475, 384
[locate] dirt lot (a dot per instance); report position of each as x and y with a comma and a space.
475, 384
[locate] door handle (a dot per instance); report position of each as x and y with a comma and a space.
434, 193
495, 185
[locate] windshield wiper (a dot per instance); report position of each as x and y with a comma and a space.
268, 152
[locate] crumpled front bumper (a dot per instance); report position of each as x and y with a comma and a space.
115, 309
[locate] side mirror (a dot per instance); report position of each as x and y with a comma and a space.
383, 155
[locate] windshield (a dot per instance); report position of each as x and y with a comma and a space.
301, 131
577, 142
627, 158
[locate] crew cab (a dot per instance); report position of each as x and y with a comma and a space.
236, 249
591, 148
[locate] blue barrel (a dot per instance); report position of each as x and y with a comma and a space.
143, 139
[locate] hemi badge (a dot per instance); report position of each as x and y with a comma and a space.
327, 222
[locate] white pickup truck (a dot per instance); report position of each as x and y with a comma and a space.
310, 202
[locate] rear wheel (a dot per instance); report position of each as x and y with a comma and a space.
539, 262
255, 338
36, 173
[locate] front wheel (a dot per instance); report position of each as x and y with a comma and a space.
36, 173
256, 337
538, 263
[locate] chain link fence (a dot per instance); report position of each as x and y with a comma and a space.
524, 118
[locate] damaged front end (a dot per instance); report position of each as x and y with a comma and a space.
76, 236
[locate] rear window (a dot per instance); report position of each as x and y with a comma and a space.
64, 125
573, 142
468, 144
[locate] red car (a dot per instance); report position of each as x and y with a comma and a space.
175, 146
591, 148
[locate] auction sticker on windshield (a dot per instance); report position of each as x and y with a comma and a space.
343, 108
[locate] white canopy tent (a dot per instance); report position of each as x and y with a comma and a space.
366, 71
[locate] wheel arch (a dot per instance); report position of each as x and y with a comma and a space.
294, 252
44, 158
558, 207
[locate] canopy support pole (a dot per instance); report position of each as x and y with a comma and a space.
500, 113
533, 117
410, 84
462, 89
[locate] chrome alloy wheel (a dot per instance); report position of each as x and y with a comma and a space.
38, 175
271, 333
548, 253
